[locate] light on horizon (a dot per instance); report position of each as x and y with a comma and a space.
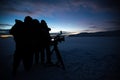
5, 36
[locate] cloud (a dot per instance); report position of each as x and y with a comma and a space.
104, 26
36, 7
95, 28
97, 5
3, 26
49, 7
113, 24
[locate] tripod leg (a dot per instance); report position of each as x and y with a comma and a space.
52, 51
59, 57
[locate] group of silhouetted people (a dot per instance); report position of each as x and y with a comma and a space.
32, 38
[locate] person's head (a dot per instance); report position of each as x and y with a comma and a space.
18, 21
28, 19
43, 22
44, 25
35, 21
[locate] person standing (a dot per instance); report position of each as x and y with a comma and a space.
18, 54
46, 40
28, 45
37, 41
23, 51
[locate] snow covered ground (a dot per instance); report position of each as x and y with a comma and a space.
85, 58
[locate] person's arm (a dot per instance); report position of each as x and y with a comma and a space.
12, 30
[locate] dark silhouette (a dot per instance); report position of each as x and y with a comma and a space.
33, 37
28, 42
16, 32
55, 49
46, 40
37, 41
24, 49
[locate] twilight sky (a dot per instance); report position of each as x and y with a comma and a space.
65, 15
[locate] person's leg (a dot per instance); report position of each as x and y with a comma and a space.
27, 59
48, 55
36, 57
16, 61
42, 55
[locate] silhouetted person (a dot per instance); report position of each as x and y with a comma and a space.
46, 40
18, 54
24, 49
28, 42
37, 42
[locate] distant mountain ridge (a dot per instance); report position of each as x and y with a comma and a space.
84, 34
99, 34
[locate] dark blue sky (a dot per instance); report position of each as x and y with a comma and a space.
66, 15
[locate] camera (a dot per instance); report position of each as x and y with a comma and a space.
58, 39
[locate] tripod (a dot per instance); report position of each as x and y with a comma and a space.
59, 57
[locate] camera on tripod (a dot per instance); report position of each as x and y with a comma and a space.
54, 48
58, 38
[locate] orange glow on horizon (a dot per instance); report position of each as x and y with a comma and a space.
5, 36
